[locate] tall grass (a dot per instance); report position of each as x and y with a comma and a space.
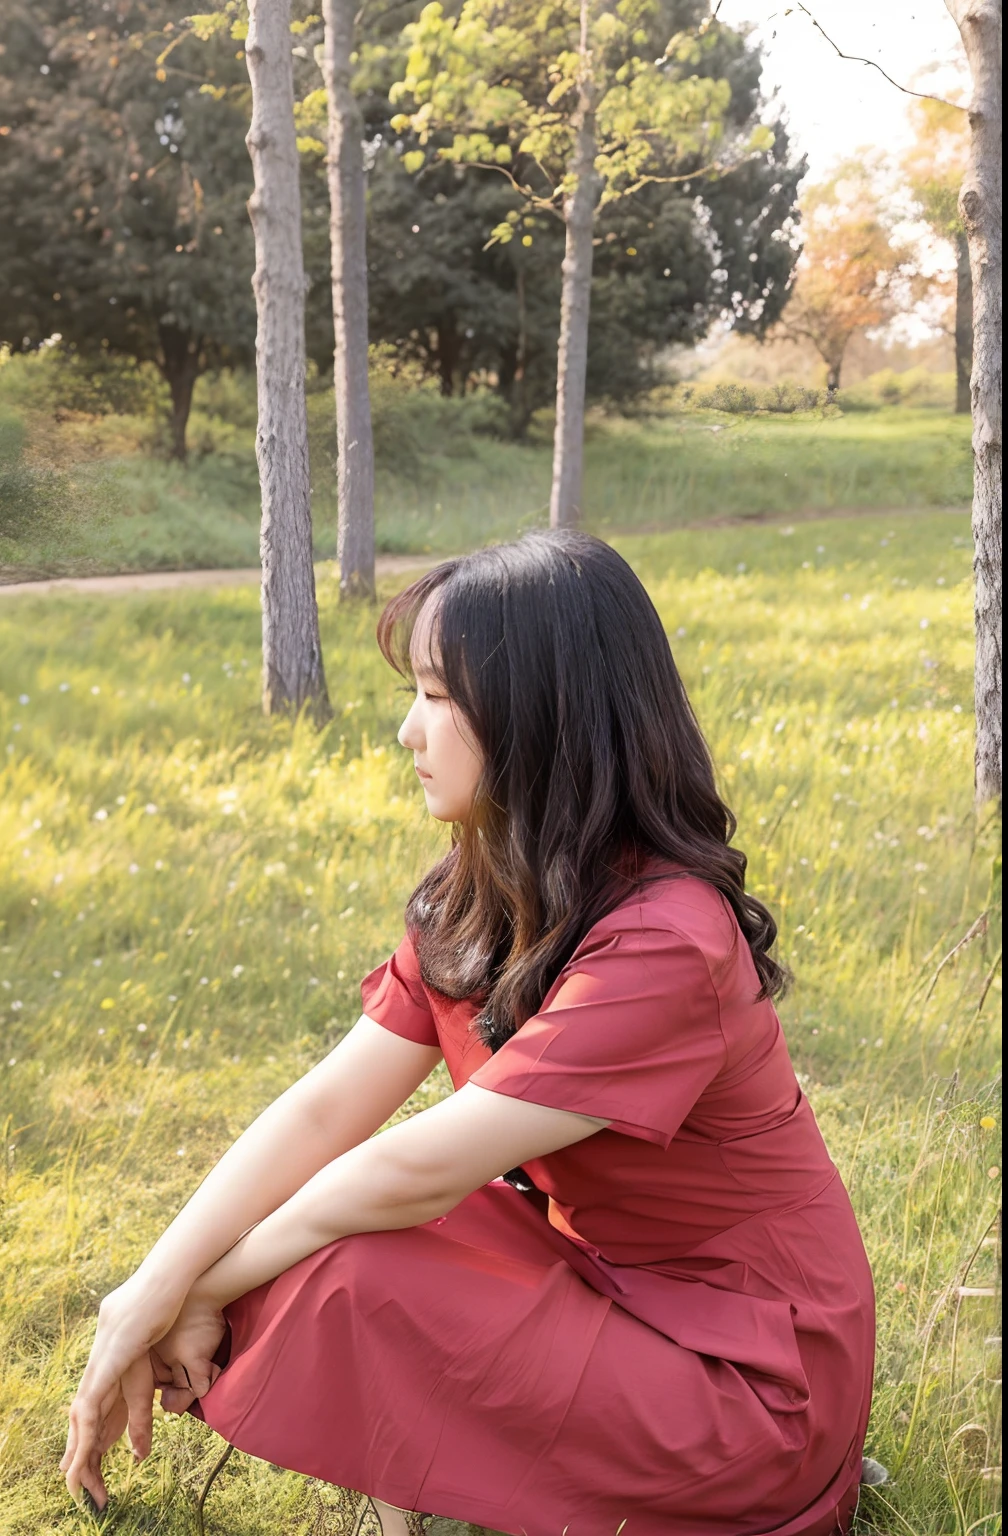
189, 895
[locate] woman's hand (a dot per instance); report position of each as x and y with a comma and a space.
183, 1358
116, 1391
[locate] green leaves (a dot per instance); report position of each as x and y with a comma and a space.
499, 86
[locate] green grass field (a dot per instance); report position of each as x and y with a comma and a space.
89, 494
189, 895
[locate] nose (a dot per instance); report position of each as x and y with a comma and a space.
409, 735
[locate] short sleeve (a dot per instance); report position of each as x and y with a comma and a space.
629, 1032
393, 995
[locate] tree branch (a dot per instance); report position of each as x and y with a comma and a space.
857, 58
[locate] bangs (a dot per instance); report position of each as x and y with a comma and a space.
399, 619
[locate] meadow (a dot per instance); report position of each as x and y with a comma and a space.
190, 894
82, 491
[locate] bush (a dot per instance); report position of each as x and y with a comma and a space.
414, 425
916, 387
749, 399
59, 381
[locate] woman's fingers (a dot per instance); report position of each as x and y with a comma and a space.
84, 1467
176, 1400
138, 1406
162, 1371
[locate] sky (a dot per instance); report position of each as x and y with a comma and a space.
835, 107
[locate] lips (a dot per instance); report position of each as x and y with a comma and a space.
421, 774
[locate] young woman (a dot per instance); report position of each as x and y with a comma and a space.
614, 1282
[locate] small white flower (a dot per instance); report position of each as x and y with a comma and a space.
150, 809
353, 886
172, 998
740, 566
180, 1152
95, 688
681, 633
57, 974
23, 699
158, 864
101, 815
12, 1062
141, 1029
924, 623
120, 799
340, 975
96, 962
186, 678
64, 687
313, 981
204, 981
57, 879
102, 1030
134, 869
236, 971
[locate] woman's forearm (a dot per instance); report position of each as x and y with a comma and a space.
364, 1190
338, 1104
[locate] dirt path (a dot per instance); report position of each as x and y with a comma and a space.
395, 565
162, 581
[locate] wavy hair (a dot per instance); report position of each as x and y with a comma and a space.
593, 762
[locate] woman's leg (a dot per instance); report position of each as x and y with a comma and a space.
395, 1522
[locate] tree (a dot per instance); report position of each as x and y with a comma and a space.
123, 187
979, 23
666, 261
293, 673
850, 270
348, 243
935, 167
577, 104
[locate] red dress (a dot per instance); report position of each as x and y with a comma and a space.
683, 1342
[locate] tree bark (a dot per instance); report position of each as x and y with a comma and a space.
449, 354
575, 305
979, 23
347, 233
293, 673
180, 366
963, 325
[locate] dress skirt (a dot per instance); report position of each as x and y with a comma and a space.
474, 1368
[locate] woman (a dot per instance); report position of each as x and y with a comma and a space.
613, 1282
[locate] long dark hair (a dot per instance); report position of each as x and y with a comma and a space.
593, 764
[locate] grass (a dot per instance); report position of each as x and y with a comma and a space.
87, 493
189, 895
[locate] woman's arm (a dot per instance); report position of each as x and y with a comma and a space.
338, 1104
411, 1173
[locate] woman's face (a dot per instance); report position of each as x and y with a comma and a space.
445, 755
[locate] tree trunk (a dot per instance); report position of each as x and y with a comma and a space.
575, 305
963, 325
449, 353
355, 448
293, 673
180, 367
979, 23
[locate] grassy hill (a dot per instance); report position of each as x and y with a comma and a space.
189, 895
86, 492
